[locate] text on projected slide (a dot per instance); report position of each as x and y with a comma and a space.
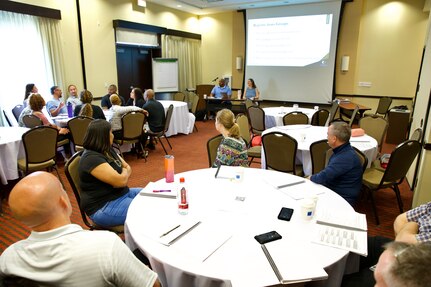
289, 41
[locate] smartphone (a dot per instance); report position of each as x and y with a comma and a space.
267, 237
285, 213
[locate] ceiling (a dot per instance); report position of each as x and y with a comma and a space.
203, 7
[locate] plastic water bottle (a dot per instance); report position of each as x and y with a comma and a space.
182, 197
169, 168
69, 110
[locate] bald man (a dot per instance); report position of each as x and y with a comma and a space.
59, 253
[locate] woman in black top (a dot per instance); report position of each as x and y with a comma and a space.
136, 98
87, 109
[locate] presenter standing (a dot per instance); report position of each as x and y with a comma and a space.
251, 91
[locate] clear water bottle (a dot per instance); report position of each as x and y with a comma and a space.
182, 197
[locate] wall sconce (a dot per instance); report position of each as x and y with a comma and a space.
238, 63
345, 63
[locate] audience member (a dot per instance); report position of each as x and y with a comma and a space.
55, 106
26, 111
104, 175
232, 149
59, 253
222, 91
343, 174
29, 89
136, 98
117, 112
73, 96
86, 108
251, 91
155, 113
105, 102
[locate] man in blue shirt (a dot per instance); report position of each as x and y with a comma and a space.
55, 106
221, 91
343, 173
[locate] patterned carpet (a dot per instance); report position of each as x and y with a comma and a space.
190, 153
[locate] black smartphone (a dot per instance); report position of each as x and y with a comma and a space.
285, 213
267, 237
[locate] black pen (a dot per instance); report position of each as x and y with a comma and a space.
169, 231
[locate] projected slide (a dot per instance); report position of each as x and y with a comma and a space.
295, 41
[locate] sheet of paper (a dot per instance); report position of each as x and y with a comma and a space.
283, 181
352, 220
165, 190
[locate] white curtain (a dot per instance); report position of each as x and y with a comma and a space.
30, 52
188, 53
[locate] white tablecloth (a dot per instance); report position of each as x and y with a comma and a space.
182, 120
366, 144
224, 216
11, 149
274, 115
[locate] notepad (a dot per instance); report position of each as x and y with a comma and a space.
281, 181
163, 190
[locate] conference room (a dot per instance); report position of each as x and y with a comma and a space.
358, 69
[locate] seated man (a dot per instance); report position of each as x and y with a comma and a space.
155, 113
221, 91
58, 253
105, 102
343, 174
55, 106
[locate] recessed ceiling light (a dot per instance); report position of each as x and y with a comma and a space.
179, 6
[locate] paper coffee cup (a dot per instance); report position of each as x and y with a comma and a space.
308, 208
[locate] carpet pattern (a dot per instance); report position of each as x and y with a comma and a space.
190, 153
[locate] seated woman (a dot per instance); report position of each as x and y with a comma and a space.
136, 98
117, 112
251, 91
105, 196
232, 149
36, 104
87, 109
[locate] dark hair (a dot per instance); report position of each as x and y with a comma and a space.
97, 137
36, 102
53, 89
253, 85
138, 94
28, 89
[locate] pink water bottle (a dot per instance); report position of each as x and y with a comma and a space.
169, 168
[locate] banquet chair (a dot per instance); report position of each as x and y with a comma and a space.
16, 111
195, 103
40, 145
280, 153
179, 97
333, 110
383, 107
159, 135
256, 116
318, 151
295, 118
417, 135
248, 103
320, 118
78, 128
7, 118
71, 170
212, 145
375, 127
353, 116
244, 131
362, 158
399, 163
131, 133
31, 121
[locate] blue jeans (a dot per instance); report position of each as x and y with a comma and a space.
115, 212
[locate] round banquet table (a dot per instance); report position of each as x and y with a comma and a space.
365, 143
11, 149
274, 115
182, 120
221, 250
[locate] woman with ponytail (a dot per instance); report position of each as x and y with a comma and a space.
232, 149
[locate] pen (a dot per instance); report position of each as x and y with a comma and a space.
162, 190
169, 231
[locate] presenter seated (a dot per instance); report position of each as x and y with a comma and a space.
222, 91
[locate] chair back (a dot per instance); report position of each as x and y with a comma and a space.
362, 158
320, 118
400, 161
280, 151
7, 118
212, 146
257, 119
318, 151
16, 111
168, 117
78, 128
354, 113
244, 129
179, 97
248, 103
384, 104
417, 135
295, 118
40, 144
333, 111
31, 121
195, 102
133, 125
375, 127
